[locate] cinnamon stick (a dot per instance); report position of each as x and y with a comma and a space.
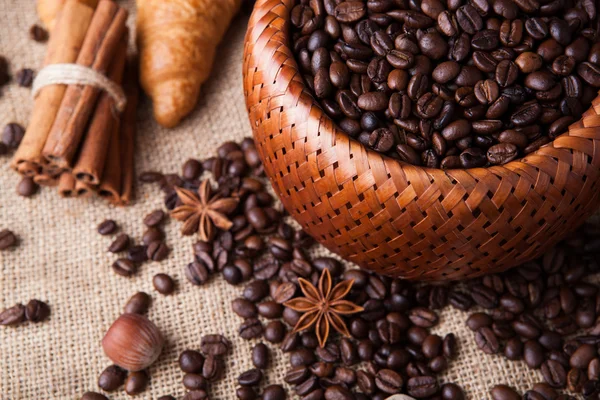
63, 47
45, 180
66, 185
128, 131
82, 189
104, 35
94, 149
110, 188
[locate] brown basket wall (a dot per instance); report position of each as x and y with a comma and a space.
398, 219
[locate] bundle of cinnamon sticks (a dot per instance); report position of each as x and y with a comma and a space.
77, 139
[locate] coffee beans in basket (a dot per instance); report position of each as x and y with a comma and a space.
450, 84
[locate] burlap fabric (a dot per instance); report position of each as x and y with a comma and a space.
62, 260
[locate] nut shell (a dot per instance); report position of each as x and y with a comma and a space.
133, 342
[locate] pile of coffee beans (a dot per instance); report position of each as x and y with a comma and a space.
201, 368
545, 312
450, 83
151, 248
35, 311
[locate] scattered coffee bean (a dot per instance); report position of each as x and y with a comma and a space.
36, 311
136, 382
7, 239
260, 356
27, 187
112, 378
216, 345
107, 227
25, 77
13, 315
93, 396
154, 219
12, 134
124, 267
138, 304
121, 243
38, 33
157, 251
163, 284
191, 361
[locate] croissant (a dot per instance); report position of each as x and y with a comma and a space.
48, 10
177, 40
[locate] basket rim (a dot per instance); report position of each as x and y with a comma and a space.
267, 5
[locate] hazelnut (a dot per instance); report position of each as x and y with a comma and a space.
133, 342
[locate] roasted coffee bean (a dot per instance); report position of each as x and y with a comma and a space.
251, 328
212, 370
487, 341
389, 381
197, 273
251, 377
107, 227
504, 392
507, 73
191, 361
124, 267
157, 251
136, 382
121, 243
163, 284
13, 315
554, 374
38, 34
194, 382
423, 317
137, 254
27, 187
24, 77
137, 304
422, 386
7, 239
154, 218
93, 396
36, 311
381, 140
275, 392
112, 378
502, 153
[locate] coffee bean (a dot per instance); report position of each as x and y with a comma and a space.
422, 386
502, 153
151, 177
469, 19
27, 187
163, 284
112, 378
554, 374
350, 11
504, 392
212, 370
251, 377
13, 315
137, 304
124, 267
506, 73
194, 382
486, 91
38, 34
36, 311
487, 341
250, 328
24, 77
389, 381
215, 345
274, 392
260, 356
136, 382
93, 396
137, 254
121, 243
191, 361
381, 140
154, 219
107, 227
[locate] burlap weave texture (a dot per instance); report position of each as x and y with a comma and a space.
62, 260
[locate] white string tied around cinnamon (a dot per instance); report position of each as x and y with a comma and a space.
75, 74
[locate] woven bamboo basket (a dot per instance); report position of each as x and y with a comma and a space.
399, 219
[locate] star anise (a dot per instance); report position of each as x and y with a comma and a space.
203, 212
323, 306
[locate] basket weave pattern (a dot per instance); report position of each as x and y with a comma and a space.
399, 219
